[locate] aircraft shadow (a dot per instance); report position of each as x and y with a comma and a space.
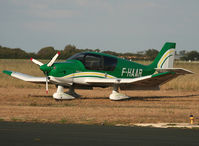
159, 97
141, 98
144, 98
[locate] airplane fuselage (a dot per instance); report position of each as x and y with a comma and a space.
78, 69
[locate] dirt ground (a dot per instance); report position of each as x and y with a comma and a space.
94, 107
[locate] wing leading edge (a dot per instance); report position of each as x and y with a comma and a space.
25, 77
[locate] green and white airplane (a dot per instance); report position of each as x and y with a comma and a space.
91, 69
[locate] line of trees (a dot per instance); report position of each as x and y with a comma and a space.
192, 55
69, 50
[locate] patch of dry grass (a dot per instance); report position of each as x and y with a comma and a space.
144, 107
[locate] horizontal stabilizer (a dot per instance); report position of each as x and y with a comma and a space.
179, 71
26, 77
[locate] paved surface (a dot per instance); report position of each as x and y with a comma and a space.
59, 134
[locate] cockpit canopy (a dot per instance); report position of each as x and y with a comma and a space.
95, 61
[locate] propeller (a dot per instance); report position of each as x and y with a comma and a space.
53, 59
46, 84
46, 68
36, 62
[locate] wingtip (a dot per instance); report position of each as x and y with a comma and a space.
7, 72
31, 58
58, 53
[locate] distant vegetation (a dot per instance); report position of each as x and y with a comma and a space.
69, 50
192, 55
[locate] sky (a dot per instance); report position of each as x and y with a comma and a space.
116, 25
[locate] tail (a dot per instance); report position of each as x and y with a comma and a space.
165, 57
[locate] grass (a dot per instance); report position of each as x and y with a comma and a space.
63, 121
33, 104
165, 107
14, 119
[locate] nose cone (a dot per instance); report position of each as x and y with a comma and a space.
45, 68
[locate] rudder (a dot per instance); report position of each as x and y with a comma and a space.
165, 58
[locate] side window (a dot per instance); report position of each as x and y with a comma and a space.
93, 62
109, 63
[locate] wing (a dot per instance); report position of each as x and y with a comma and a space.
25, 77
149, 82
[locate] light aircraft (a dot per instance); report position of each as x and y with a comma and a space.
92, 69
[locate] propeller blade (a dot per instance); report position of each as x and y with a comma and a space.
46, 84
36, 62
53, 59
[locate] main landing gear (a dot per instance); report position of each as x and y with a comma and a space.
115, 95
60, 94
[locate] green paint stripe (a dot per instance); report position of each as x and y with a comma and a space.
159, 74
165, 60
7, 72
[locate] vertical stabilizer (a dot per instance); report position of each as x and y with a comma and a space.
165, 58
